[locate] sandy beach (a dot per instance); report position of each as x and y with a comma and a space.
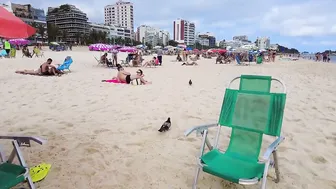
103, 135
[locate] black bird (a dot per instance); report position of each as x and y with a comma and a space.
190, 82
165, 126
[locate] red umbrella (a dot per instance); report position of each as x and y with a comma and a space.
13, 27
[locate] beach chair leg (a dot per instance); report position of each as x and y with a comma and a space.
23, 163
276, 166
196, 177
264, 178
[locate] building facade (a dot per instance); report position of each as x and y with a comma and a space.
263, 42
120, 14
151, 35
112, 31
7, 6
207, 38
68, 19
29, 14
184, 32
240, 38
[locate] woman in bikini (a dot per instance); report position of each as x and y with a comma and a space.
127, 77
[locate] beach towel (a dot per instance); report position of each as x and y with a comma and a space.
114, 81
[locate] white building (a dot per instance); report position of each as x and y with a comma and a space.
7, 6
111, 30
240, 38
184, 32
151, 35
263, 42
120, 14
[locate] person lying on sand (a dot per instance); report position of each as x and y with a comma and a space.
127, 77
189, 64
46, 69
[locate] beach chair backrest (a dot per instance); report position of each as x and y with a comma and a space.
255, 83
251, 114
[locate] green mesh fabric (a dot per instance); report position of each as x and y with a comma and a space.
251, 112
10, 175
255, 83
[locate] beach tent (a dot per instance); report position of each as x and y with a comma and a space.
12, 27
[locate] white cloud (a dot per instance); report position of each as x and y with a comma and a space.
311, 18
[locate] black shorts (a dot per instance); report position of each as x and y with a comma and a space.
128, 79
7, 51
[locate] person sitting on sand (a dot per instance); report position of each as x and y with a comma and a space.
136, 61
153, 62
104, 60
178, 58
127, 77
25, 52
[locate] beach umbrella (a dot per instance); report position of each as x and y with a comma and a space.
54, 43
127, 49
19, 41
12, 27
100, 47
141, 46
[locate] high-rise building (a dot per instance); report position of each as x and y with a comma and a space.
29, 14
206, 39
184, 32
151, 35
120, 14
112, 31
70, 20
263, 42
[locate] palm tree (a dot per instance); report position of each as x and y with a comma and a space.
64, 35
41, 30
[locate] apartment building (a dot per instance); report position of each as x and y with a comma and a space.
70, 19
240, 38
28, 14
184, 32
152, 35
120, 14
206, 39
111, 30
263, 42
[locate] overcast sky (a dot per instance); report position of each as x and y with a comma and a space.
302, 24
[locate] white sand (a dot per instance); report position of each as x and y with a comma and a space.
105, 136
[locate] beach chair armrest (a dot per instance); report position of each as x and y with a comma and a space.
199, 129
271, 148
25, 140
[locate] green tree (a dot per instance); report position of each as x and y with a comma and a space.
41, 30
128, 42
149, 46
53, 31
172, 43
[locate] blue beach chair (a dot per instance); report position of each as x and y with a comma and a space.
66, 64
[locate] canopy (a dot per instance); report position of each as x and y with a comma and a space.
12, 27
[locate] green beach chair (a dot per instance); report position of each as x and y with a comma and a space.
13, 174
251, 112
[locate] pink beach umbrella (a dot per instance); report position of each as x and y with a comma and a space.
127, 49
19, 41
100, 47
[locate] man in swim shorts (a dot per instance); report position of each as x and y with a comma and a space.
127, 77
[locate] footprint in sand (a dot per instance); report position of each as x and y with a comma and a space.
319, 159
98, 131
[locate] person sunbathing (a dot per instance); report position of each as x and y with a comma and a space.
189, 64
46, 69
25, 52
127, 77
153, 62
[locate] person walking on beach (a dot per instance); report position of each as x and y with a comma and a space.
159, 56
114, 56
